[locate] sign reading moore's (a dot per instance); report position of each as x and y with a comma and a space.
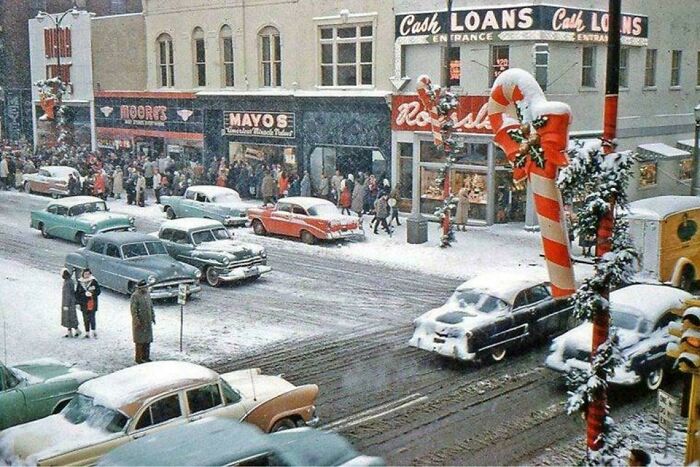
557, 23
254, 123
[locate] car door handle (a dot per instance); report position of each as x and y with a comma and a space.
138, 435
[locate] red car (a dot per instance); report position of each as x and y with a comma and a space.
311, 219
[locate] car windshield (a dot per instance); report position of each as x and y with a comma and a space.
210, 235
474, 299
134, 250
321, 210
88, 207
82, 409
227, 198
624, 320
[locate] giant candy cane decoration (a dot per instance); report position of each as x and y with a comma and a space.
534, 133
429, 97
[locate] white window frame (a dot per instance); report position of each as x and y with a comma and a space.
225, 34
492, 61
542, 51
624, 67
591, 66
651, 58
197, 37
165, 40
275, 62
676, 68
334, 41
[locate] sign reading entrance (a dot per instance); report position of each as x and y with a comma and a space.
265, 124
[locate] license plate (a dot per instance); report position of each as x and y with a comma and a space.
439, 340
252, 272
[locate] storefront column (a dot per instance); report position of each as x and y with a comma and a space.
93, 130
416, 224
531, 223
491, 186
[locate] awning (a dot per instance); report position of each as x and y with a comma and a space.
685, 144
655, 151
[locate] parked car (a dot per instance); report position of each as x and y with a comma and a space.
207, 201
77, 218
112, 410
119, 260
220, 441
488, 315
50, 180
209, 246
311, 219
641, 314
37, 389
664, 230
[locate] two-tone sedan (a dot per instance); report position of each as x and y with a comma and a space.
641, 314
77, 218
310, 219
112, 410
209, 246
208, 202
50, 180
490, 314
37, 389
120, 260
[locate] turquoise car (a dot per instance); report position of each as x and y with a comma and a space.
209, 202
36, 389
222, 441
77, 218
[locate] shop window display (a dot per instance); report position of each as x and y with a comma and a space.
511, 198
685, 169
647, 174
432, 195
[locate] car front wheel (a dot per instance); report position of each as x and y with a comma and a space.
170, 213
212, 276
27, 187
81, 238
44, 231
284, 424
308, 238
259, 228
654, 378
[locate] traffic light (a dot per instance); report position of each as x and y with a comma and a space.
687, 351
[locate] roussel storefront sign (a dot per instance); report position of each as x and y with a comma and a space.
263, 124
554, 23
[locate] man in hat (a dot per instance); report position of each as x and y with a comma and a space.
142, 320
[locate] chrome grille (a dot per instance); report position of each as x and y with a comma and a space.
252, 261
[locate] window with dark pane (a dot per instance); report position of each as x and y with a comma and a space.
588, 67
270, 57
227, 63
500, 61
542, 65
200, 68
455, 69
624, 67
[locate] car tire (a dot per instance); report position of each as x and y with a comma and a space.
308, 238
27, 188
55, 195
212, 277
259, 228
81, 239
284, 424
170, 213
653, 379
498, 354
44, 232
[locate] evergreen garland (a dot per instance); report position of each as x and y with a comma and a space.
56, 89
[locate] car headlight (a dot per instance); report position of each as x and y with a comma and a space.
152, 280
225, 260
263, 254
93, 227
132, 220
198, 274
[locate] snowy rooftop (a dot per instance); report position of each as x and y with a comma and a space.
71, 201
504, 285
305, 202
125, 237
126, 390
189, 223
663, 150
660, 207
651, 301
212, 190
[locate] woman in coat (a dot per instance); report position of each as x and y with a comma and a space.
305, 185
345, 200
69, 317
462, 214
358, 197
86, 293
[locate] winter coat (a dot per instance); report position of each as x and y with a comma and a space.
358, 197
324, 187
283, 186
294, 189
142, 316
140, 184
306, 186
148, 169
69, 318
381, 208
335, 182
345, 198
462, 214
268, 186
99, 184
81, 297
73, 186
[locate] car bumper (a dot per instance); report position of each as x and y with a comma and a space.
622, 376
235, 221
357, 234
453, 347
239, 274
171, 291
314, 422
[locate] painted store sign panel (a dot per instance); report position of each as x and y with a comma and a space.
556, 23
471, 116
254, 123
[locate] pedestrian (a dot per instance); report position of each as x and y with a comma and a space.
393, 203
4, 172
283, 184
358, 196
118, 183
73, 185
324, 187
11, 169
148, 172
305, 185
462, 214
98, 186
381, 209
140, 190
345, 200
69, 317
267, 188
86, 293
335, 186
156, 184
142, 320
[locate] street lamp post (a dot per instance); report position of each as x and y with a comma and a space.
696, 154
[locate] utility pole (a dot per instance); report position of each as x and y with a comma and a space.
597, 408
696, 154
446, 187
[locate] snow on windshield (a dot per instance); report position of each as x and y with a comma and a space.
81, 409
134, 250
321, 210
624, 320
228, 198
212, 235
88, 207
474, 299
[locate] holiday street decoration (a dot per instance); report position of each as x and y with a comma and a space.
533, 133
439, 105
47, 102
51, 92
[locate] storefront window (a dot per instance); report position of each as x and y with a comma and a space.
406, 170
685, 169
430, 153
511, 198
473, 154
474, 182
499, 156
260, 156
647, 174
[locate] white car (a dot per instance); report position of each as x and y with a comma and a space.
50, 180
641, 314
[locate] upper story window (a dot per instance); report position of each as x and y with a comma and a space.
542, 65
347, 55
650, 69
500, 61
199, 54
226, 45
588, 62
624, 67
270, 57
676, 67
166, 65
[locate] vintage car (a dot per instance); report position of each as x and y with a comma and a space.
664, 230
37, 389
119, 260
50, 180
641, 314
208, 245
311, 219
220, 441
77, 218
112, 410
207, 201
489, 314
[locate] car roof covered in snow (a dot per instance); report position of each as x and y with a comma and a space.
59, 170
190, 223
128, 389
305, 201
71, 201
125, 237
504, 285
212, 190
660, 207
650, 301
